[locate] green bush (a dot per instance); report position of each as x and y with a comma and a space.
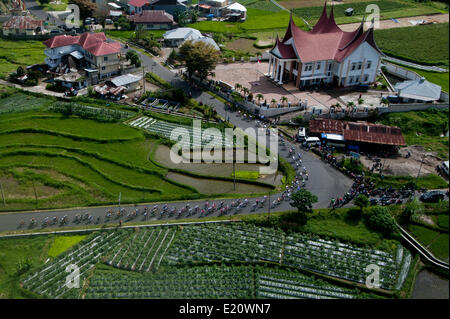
379, 219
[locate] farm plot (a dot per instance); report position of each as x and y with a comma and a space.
144, 250
19, 102
165, 129
226, 243
282, 284
50, 280
338, 259
248, 243
185, 282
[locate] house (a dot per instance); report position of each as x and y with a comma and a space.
418, 90
215, 6
235, 10
22, 25
325, 55
129, 81
153, 19
170, 6
91, 52
137, 6
176, 37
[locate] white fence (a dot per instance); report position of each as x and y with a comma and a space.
400, 72
410, 107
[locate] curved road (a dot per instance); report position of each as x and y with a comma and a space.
324, 181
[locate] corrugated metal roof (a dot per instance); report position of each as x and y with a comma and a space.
125, 79
359, 131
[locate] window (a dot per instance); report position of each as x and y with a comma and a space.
369, 64
350, 79
318, 66
105, 58
353, 66
366, 77
359, 65
103, 68
329, 67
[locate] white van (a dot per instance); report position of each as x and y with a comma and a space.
301, 135
312, 141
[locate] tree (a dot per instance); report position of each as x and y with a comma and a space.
259, 97
283, 100
134, 58
237, 87
303, 201
245, 90
199, 57
87, 8
361, 201
122, 23
379, 219
273, 101
412, 208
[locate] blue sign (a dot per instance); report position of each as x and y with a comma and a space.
354, 155
324, 135
353, 148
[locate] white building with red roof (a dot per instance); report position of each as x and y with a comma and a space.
325, 55
92, 51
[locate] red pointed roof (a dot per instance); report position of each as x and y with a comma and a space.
138, 3
326, 41
95, 43
285, 51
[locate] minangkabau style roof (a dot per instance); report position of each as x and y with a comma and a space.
326, 41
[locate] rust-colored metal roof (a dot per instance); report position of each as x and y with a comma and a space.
359, 131
326, 126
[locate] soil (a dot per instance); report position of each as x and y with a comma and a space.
400, 166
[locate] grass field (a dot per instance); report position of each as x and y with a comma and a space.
16, 250
62, 243
436, 241
247, 174
19, 53
388, 9
53, 6
427, 44
429, 124
50, 160
257, 20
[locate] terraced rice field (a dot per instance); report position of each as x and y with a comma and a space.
165, 129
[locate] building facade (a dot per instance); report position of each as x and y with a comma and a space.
324, 55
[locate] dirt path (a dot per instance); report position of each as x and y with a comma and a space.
402, 22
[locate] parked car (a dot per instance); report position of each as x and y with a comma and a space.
109, 21
362, 88
432, 196
393, 99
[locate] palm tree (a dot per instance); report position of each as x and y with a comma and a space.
237, 87
245, 90
273, 101
283, 100
259, 97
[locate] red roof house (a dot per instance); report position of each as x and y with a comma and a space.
153, 19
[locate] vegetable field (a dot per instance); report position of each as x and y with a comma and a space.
227, 260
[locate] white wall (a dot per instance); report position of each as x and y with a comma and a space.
364, 51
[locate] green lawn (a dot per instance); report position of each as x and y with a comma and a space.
440, 248
427, 44
429, 124
54, 7
388, 9
424, 235
247, 174
442, 221
19, 53
62, 243
16, 250
257, 20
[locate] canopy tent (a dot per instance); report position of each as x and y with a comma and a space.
237, 7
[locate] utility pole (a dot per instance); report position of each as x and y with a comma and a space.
143, 77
